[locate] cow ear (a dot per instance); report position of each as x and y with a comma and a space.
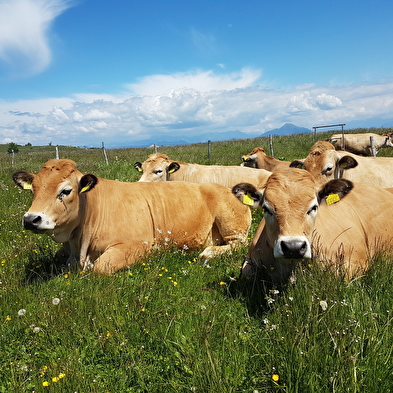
138, 166
347, 162
87, 183
297, 164
335, 190
173, 167
248, 194
23, 180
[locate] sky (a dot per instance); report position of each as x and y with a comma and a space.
83, 72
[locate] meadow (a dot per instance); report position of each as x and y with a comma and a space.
172, 324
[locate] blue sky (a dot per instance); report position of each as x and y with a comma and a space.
82, 72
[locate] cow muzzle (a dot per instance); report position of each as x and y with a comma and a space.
37, 222
288, 247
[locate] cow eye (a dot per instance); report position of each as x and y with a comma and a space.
327, 169
312, 209
63, 193
158, 172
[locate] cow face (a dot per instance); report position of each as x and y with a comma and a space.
290, 202
325, 163
251, 159
58, 191
388, 140
157, 167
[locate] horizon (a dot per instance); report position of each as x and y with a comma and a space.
74, 72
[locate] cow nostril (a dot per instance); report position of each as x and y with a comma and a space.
295, 249
32, 222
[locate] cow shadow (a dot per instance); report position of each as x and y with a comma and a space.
42, 267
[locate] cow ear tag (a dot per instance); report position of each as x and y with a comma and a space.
86, 188
332, 198
139, 169
247, 200
172, 170
27, 185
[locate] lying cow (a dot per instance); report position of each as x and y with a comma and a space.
107, 225
337, 223
258, 159
326, 163
158, 167
360, 143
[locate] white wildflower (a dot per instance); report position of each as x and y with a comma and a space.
21, 312
55, 301
323, 305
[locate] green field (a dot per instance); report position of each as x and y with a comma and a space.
172, 324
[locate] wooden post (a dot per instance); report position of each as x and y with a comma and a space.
343, 138
105, 156
12, 158
155, 148
57, 152
208, 149
373, 152
271, 145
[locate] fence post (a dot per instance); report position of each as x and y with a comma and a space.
105, 156
208, 149
373, 152
12, 158
271, 145
155, 148
57, 152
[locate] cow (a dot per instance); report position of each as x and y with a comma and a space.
258, 159
106, 225
335, 223
360, 143
326, 163
158, 167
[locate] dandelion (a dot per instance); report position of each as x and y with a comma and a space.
45, 383
8, 318
21, 312
174, 283
55, 379
222, 283
55, 301
61, 375
275, 377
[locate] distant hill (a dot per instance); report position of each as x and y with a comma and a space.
287, 129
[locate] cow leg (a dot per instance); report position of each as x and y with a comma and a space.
112, 260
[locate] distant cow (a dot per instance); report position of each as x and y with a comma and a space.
326, 163
342, 224
158, 167
258, 159
107, 225
360, 143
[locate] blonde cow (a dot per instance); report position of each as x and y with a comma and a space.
361, 143
326, 163
258, 159
343, 224
158, 167
107, 225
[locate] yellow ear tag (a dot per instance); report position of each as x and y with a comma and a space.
247, 200
85, 188
27, 186
245, 158
332, 198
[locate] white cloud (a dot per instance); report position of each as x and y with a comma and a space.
24, 29
201, 81
188, 107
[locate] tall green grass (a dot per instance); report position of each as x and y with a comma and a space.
171, 323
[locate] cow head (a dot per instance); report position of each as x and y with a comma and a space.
290, 202
58, 191
325, 163
250, 159
157, 167
388, 139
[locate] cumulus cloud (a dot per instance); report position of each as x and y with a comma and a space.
24, 29
199, 80
187, 106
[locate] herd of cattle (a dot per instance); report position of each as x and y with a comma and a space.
332, 205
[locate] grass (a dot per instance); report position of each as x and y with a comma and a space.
172, 324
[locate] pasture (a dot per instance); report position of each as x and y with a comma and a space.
171, 323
